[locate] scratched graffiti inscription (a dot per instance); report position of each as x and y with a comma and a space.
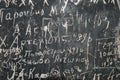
59, 39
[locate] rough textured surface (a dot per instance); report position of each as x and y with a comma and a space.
59, 39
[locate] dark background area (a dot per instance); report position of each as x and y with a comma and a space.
87, 50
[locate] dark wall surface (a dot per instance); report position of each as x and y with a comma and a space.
59, 39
